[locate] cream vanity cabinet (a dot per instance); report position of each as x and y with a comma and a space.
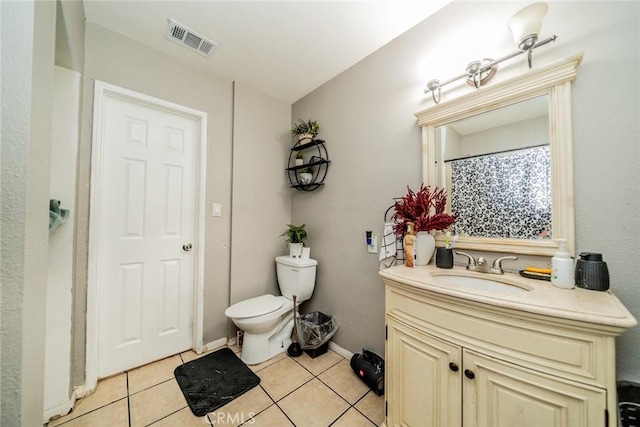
459, 358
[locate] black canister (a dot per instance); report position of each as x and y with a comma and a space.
444, 258
592, 272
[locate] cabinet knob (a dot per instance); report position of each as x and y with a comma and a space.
453, 367
469, 374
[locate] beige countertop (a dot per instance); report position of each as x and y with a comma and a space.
538, 297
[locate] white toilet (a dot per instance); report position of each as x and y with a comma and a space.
267, 320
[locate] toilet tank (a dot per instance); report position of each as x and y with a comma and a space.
296, 276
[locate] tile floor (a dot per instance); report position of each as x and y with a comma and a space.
293, 392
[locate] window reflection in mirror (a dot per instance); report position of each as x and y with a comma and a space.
497, 169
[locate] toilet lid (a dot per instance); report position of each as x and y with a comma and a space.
254, 307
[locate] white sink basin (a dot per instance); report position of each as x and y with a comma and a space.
499, 283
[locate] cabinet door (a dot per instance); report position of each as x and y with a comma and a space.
505, 395
422, 389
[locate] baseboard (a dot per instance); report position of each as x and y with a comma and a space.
81, 391
221, 342
231, 341
60, 410
341, 351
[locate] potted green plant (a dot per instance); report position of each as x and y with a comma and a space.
296, 237
305, 130
305, 176
299, 161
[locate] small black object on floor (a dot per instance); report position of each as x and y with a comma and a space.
214, 380
629, 403
369, 367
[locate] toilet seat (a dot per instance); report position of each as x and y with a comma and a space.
254, 307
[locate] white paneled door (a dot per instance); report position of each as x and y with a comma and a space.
146, 220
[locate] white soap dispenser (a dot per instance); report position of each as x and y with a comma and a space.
562, 267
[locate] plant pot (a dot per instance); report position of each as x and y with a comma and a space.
299, 162
305, 136
305, 178
425, 245
295, 250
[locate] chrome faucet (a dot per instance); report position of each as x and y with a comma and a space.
480, 265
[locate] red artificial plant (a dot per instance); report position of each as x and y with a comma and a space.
424, 208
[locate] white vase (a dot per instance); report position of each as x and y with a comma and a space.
305, 178
425, 245
305, 136
299, 162
295, 249
306, 253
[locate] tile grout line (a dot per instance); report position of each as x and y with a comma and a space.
273, 402
339, 416
314, 376
285, 414
351, 405
362, 413
126, 376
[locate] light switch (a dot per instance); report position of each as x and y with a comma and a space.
217, 209
373, 247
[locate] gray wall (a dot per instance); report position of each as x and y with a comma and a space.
28, 35
366, 115
118, 60
70, 34
261, 195
247, 136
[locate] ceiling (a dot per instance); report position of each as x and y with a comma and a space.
284, 49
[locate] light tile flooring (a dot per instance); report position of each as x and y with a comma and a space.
293, 392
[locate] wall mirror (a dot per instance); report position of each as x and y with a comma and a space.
504, 155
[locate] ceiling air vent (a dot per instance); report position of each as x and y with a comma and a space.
182, 35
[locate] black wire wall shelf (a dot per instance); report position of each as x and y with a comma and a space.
318, 163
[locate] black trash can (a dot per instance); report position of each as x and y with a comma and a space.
314, 332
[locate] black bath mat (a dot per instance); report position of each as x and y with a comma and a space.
214, 380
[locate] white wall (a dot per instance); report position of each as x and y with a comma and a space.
366, 115
525, 133
28, 34
64, 148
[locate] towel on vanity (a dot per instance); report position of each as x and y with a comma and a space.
387, 247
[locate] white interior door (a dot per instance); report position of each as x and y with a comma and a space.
146, 225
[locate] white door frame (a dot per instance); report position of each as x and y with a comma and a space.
101, 93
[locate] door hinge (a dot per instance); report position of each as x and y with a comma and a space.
386, 408
386, 332
606, 418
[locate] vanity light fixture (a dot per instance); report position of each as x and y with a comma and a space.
525, 26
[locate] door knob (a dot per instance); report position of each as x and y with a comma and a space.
187, 247
469, 374
453, 367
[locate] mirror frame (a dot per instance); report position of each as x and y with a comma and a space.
553, 80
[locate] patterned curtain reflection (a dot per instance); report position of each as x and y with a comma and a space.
504, 195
